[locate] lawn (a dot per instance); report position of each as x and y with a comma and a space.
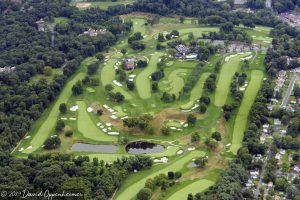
102, 4
133, 184
143, 82
195, 187
196, 92
88, 128
227, 72
176, 81
198, 31
46, 126
242, 116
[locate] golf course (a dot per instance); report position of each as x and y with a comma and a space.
150, 97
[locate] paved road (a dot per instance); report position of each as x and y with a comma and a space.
289, 90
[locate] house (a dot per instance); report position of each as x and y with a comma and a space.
254, 174
277, 124
266, 126
262, 139
270, 184
282, 151
278, 156
94, 32
191, 56
182, 49
130, 63
41, 25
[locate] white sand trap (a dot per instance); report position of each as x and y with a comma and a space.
162, 160
125, 117
132, 76
179, 152
27, 137
173, 128
63, 118
108, 124
111, 110
52, 136
114, 113
30, 147
113, 133
229, 57
131, 79
89, 109
109, 128
247, 58
186, 110
104, 130
179, 129
72, 118
21, 149
242, 89
185, 125
191, 148
106, 106
83, 5
195, 106
149, 77
117, 83
74, 108
113, 117
101, 126
228, 145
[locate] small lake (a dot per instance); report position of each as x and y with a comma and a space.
141, 147
94, 148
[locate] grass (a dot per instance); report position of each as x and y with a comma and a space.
90, 90
195, 187
108, 72
102, 4
88, 128
133, 184
242, 116
37, 77
196, 92
61, 20
142, 81
43, 127
227, 71
175, 81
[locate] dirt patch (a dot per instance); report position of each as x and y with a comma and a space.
221, 127
83, 5
168, 114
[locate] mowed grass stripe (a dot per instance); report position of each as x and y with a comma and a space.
143, 82
227, 72
134, 187
243, 113
48, 125
196, 92
86, 126
196, 187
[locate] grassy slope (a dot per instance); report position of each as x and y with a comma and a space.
88, 128
195, 187
227, 71
134, 183
242, 116
104, 4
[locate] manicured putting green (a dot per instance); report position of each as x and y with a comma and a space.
195, 187
174, 124
88, 128
242, 116
43, 132
108, 72
133, 188
90, 90
196, 92
143, 82
227, 71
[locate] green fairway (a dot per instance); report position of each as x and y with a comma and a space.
42, 132
102, 4
108, 72
196, 92
242, 116
88, 128
227, 71
130, 188
198, 31
176, 82
139, 25
143, 82
196, 187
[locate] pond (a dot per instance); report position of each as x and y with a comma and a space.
141, 147
94, 148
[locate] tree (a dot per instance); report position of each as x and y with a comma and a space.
69, 133
171, 175
154, 87
100, 57
109, 87
165, 130
177, 174
99, 112
191, 119
195, 137
92, 68
130, 85
77, 88
60, 125
297, 92
217, 136
52, 143
201, 162
144, 194
47, 71
123, 51
202, 108
63, 108
161, 37
77, 184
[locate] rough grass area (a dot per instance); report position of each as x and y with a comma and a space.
102, 4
